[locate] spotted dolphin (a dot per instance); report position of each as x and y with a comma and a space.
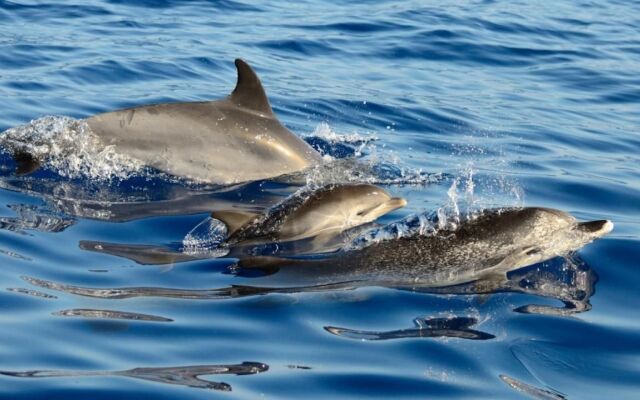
236, 139
478, 247
483, 254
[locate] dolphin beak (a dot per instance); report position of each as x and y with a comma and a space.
394, 203
596, 228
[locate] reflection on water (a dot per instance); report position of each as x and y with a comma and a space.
532, 391
185, 376
570, 281
453, 327
34, 293
110, 314
36, 218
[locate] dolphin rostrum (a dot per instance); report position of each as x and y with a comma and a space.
226, 141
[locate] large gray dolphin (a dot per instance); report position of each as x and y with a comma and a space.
235, 139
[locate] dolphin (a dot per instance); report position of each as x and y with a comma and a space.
325, 216
232, 140
324, 212
484, 246
473, 256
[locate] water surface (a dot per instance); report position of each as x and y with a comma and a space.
473, 105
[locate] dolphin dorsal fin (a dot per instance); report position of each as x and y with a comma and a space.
249, 92
233, 219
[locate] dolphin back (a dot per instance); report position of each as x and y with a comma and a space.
232, 140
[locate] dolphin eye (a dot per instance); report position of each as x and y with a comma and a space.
360, 213
533, 252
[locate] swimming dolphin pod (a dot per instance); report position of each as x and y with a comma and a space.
206, 141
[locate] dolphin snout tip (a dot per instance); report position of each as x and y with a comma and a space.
598, 228
397, 202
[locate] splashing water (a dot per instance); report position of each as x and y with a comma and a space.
463, 202
207, 238
355, 157
68, 147
360, 144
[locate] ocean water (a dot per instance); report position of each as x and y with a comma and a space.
457, 107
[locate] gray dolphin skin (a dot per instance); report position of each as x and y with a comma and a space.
323, 212
236, 139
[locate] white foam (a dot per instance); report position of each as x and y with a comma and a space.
68, 147
324, 131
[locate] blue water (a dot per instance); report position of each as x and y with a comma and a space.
487, 103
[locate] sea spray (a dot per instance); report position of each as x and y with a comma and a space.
207, 238
68, 147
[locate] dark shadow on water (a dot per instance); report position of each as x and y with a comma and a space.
110, 314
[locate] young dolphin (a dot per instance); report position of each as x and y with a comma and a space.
323, 212
226, 141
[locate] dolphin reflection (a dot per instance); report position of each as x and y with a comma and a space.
185, 376
455, 327
570, 281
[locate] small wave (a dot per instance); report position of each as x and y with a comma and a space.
67, 146
358, 141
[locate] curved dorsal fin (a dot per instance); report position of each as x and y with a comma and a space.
233, 219
249, 92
